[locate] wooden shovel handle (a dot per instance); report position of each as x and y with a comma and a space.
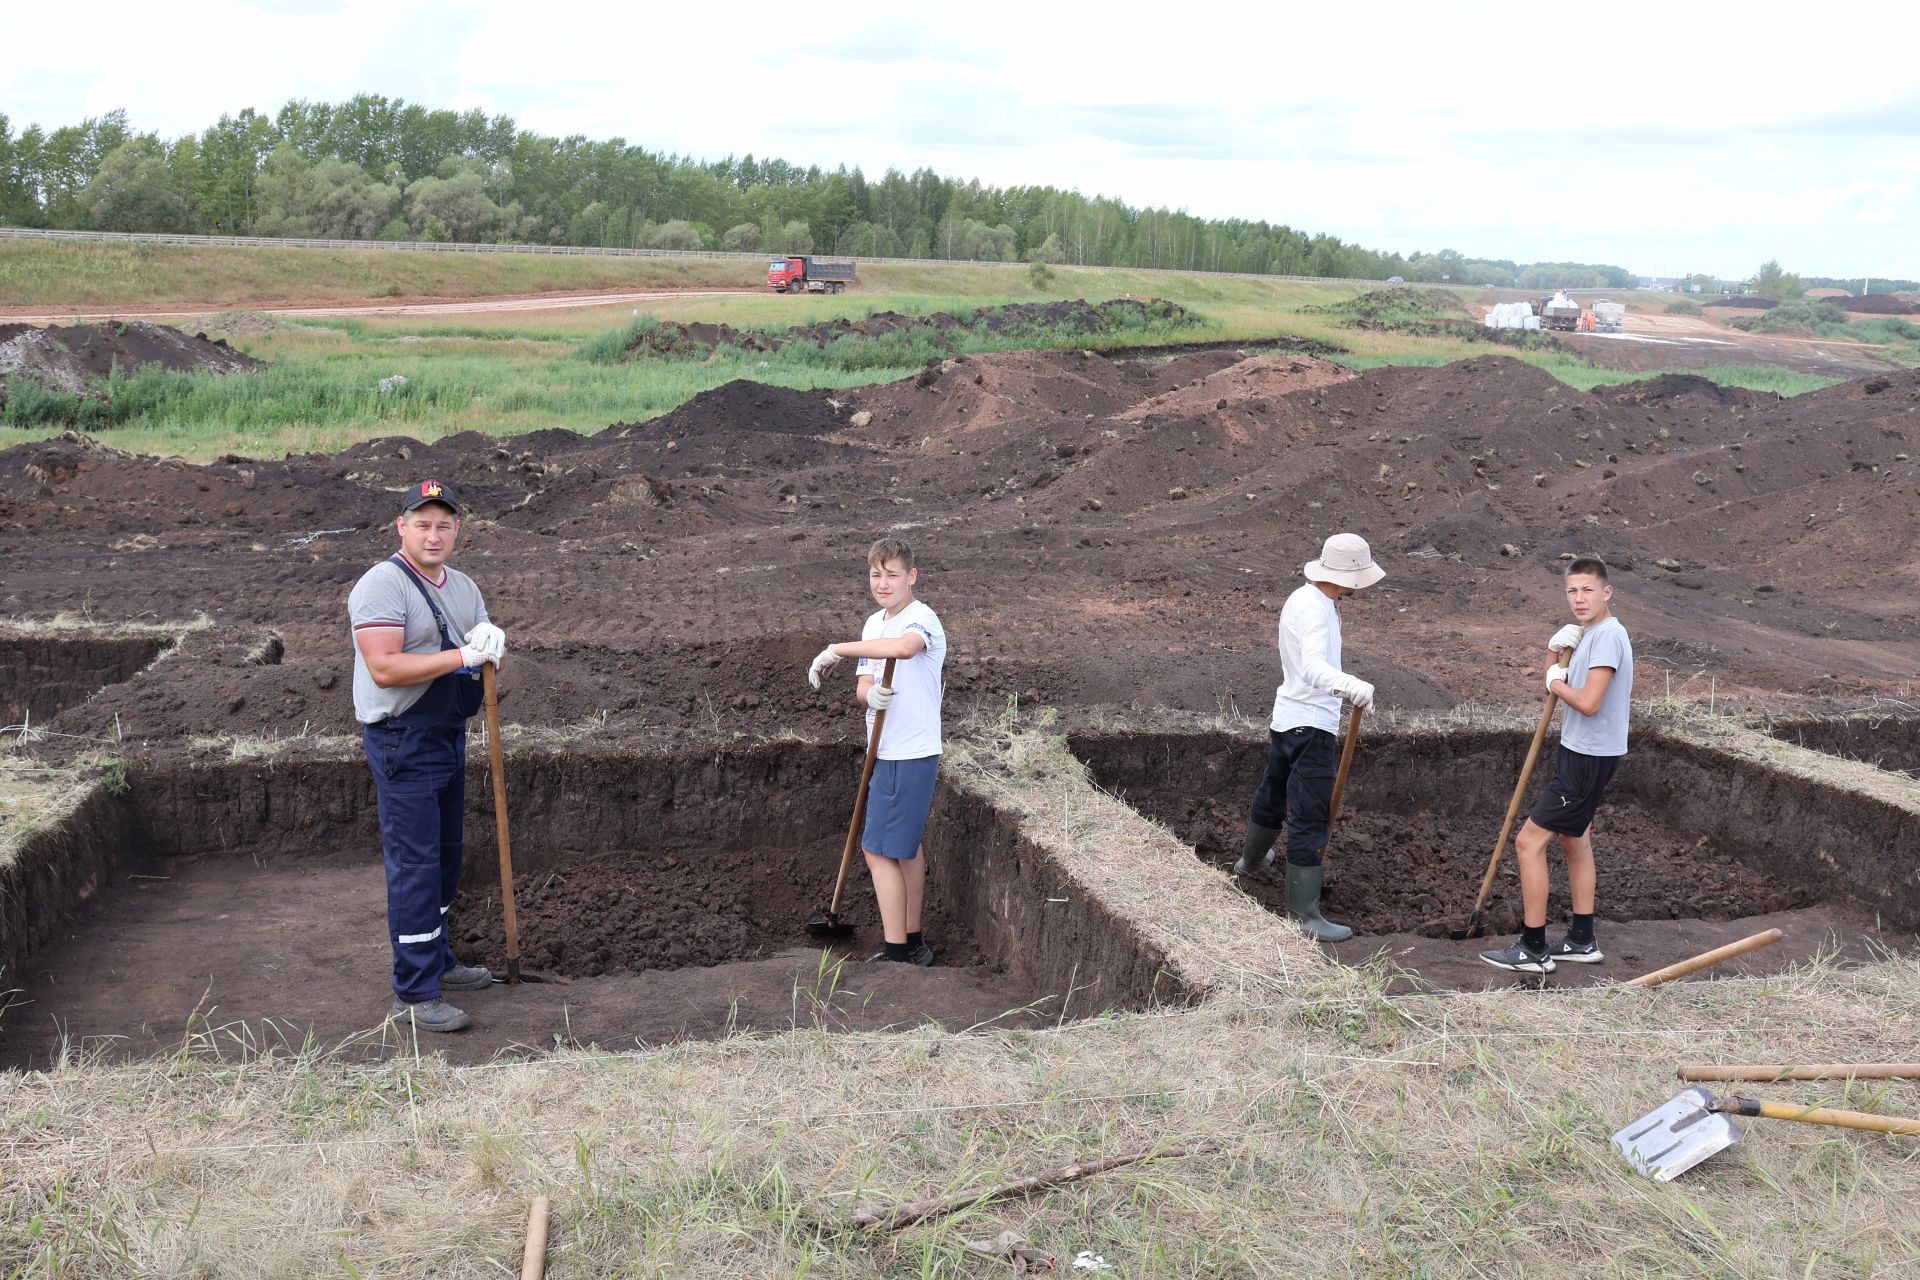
860, 801
1817, 1115
1809, 1071
533, 1259
1706, 959
1519, 791
1346, 763
500, 817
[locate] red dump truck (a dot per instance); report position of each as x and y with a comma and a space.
808, 275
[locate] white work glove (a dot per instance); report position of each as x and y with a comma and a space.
879, 696
826, 659
473, 656
1567, 637
1555, 672
1358, 692
488, 640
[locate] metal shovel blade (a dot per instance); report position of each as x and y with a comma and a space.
1665, 1143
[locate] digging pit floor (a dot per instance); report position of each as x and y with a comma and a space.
246, 958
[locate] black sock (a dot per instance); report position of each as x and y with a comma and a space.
1534, 937
897, 951
915, 941
1581, 930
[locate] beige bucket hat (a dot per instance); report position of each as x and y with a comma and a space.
1346, 561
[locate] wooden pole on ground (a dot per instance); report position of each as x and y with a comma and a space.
1810, 1071
533, 1263
876, 1219
1706, 959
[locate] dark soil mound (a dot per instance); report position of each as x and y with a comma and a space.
1073, 316
1875, 304
1745, 302
72, 359
1680, 386
742, 406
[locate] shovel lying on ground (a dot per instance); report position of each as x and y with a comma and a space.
1477, 923
1696, 1124
833, 926
514, 975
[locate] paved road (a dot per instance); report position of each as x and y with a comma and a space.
457, 307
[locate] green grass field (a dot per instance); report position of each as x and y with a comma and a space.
511, 372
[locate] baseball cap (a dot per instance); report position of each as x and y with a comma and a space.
418, 495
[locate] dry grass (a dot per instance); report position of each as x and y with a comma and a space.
1360, 1135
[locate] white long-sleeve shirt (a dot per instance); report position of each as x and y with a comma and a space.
1309, 663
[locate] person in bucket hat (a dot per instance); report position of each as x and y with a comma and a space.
1297, 790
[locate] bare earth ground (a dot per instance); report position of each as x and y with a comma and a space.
1096, 536
397, 307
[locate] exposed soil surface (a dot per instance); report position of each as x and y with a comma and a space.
224, 949
631, 911
1072, 316
1092, 532
73, 359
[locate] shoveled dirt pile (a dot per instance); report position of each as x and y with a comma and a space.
1874, 304
1074, 316
1743, 302
1092, 532
74, 359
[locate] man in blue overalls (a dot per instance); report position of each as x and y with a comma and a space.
420, 636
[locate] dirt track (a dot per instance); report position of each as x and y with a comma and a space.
402, 307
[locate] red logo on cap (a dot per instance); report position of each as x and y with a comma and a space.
429, 488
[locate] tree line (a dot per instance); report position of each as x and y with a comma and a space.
375, 168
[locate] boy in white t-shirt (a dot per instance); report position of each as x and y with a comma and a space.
908, 761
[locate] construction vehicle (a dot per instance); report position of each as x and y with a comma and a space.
808, 275
1608, 315
1559, 312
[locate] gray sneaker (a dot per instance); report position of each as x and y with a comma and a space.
465, 977
430, 1015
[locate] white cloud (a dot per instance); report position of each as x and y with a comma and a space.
1663, 136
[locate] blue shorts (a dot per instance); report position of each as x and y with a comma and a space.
898, 801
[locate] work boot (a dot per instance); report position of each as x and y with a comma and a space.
430, 1015
1258, 854
1303, 904
465, 977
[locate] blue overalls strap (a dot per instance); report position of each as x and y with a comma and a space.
439, 618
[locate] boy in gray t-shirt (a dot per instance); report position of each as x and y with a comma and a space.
1596, 684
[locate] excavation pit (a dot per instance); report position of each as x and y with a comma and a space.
1695, 848
43, 674
243, 907
1889, 742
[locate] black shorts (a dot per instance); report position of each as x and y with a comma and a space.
1579, 784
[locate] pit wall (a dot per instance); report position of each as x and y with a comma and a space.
59, 866
1886, 742
1031, 916
997, 878
42, 676
1849, 829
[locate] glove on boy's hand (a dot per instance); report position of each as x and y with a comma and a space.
879, 697
1555, 672
1567, 637
1358, 692
827, 658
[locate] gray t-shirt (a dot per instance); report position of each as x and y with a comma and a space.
385, 598
1604, 733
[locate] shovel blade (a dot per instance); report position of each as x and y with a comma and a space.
1665, 1143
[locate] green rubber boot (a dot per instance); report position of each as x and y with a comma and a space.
1303, 905
1258, 855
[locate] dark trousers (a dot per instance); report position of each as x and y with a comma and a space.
420, 776
1298, 790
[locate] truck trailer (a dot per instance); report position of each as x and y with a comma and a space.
808, 275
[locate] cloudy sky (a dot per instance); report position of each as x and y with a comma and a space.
1689, 135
